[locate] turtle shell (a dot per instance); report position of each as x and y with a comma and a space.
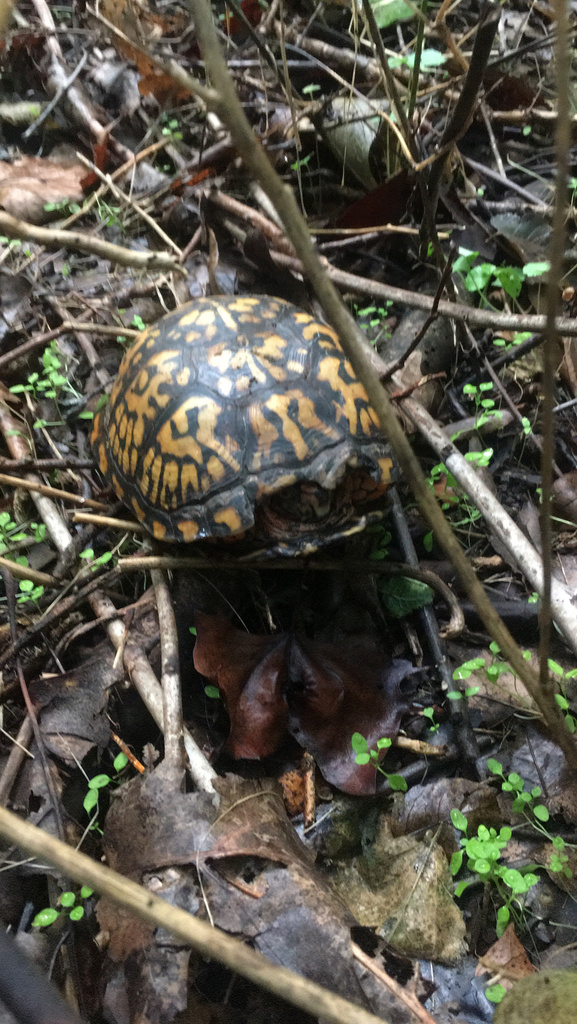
236, 410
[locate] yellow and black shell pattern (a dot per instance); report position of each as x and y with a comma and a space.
224, 403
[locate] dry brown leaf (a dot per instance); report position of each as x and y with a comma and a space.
565, 498
29, 184
506, 957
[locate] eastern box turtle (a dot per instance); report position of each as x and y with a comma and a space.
242, 413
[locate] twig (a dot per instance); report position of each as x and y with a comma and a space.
410, 1000
110, 522
480, 318
550, 348
19, 447
125, 168
173, 724
15, 759
398, 363
393, 569
51, 492
131, 203
25, 572
56, 99
77, 102
39, 340
521, 550
55, 238
463, 112
150, 690
210, 942
44, 465
64, 607
507, 183
464, 734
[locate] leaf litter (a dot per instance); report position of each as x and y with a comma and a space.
289, 661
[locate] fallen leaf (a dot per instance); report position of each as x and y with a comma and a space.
321, 693
32, 183
507, 956
402, 887
565, 497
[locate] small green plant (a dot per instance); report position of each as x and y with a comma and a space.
497, 667
561, 697
484, 407
429, 59
518, 338
495, 993
365, 755
479, 276
382, 539
94, 563
11, 533
28, 591
301, 162
485, 850
430, 714
48, 383
387, 12
526, 803
99, 782
373, 320
171, 128
483, 853
455, 499
15, 243
70, 908
108, 214
64, 206
492, 670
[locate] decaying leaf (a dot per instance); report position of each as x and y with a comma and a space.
258, 881
402, 887
73, 719
32, 183
565, 497
506, 956
429, 805
319, 692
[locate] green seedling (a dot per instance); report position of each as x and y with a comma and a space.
483, 853
430, 714
373, 320
50, 382
366, 755
70, 908
98, 783
478, 277
526, 802
172, 129
95, 563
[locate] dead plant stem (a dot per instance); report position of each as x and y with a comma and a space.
551, 346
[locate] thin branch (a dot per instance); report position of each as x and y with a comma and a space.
55, 238
551, 346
